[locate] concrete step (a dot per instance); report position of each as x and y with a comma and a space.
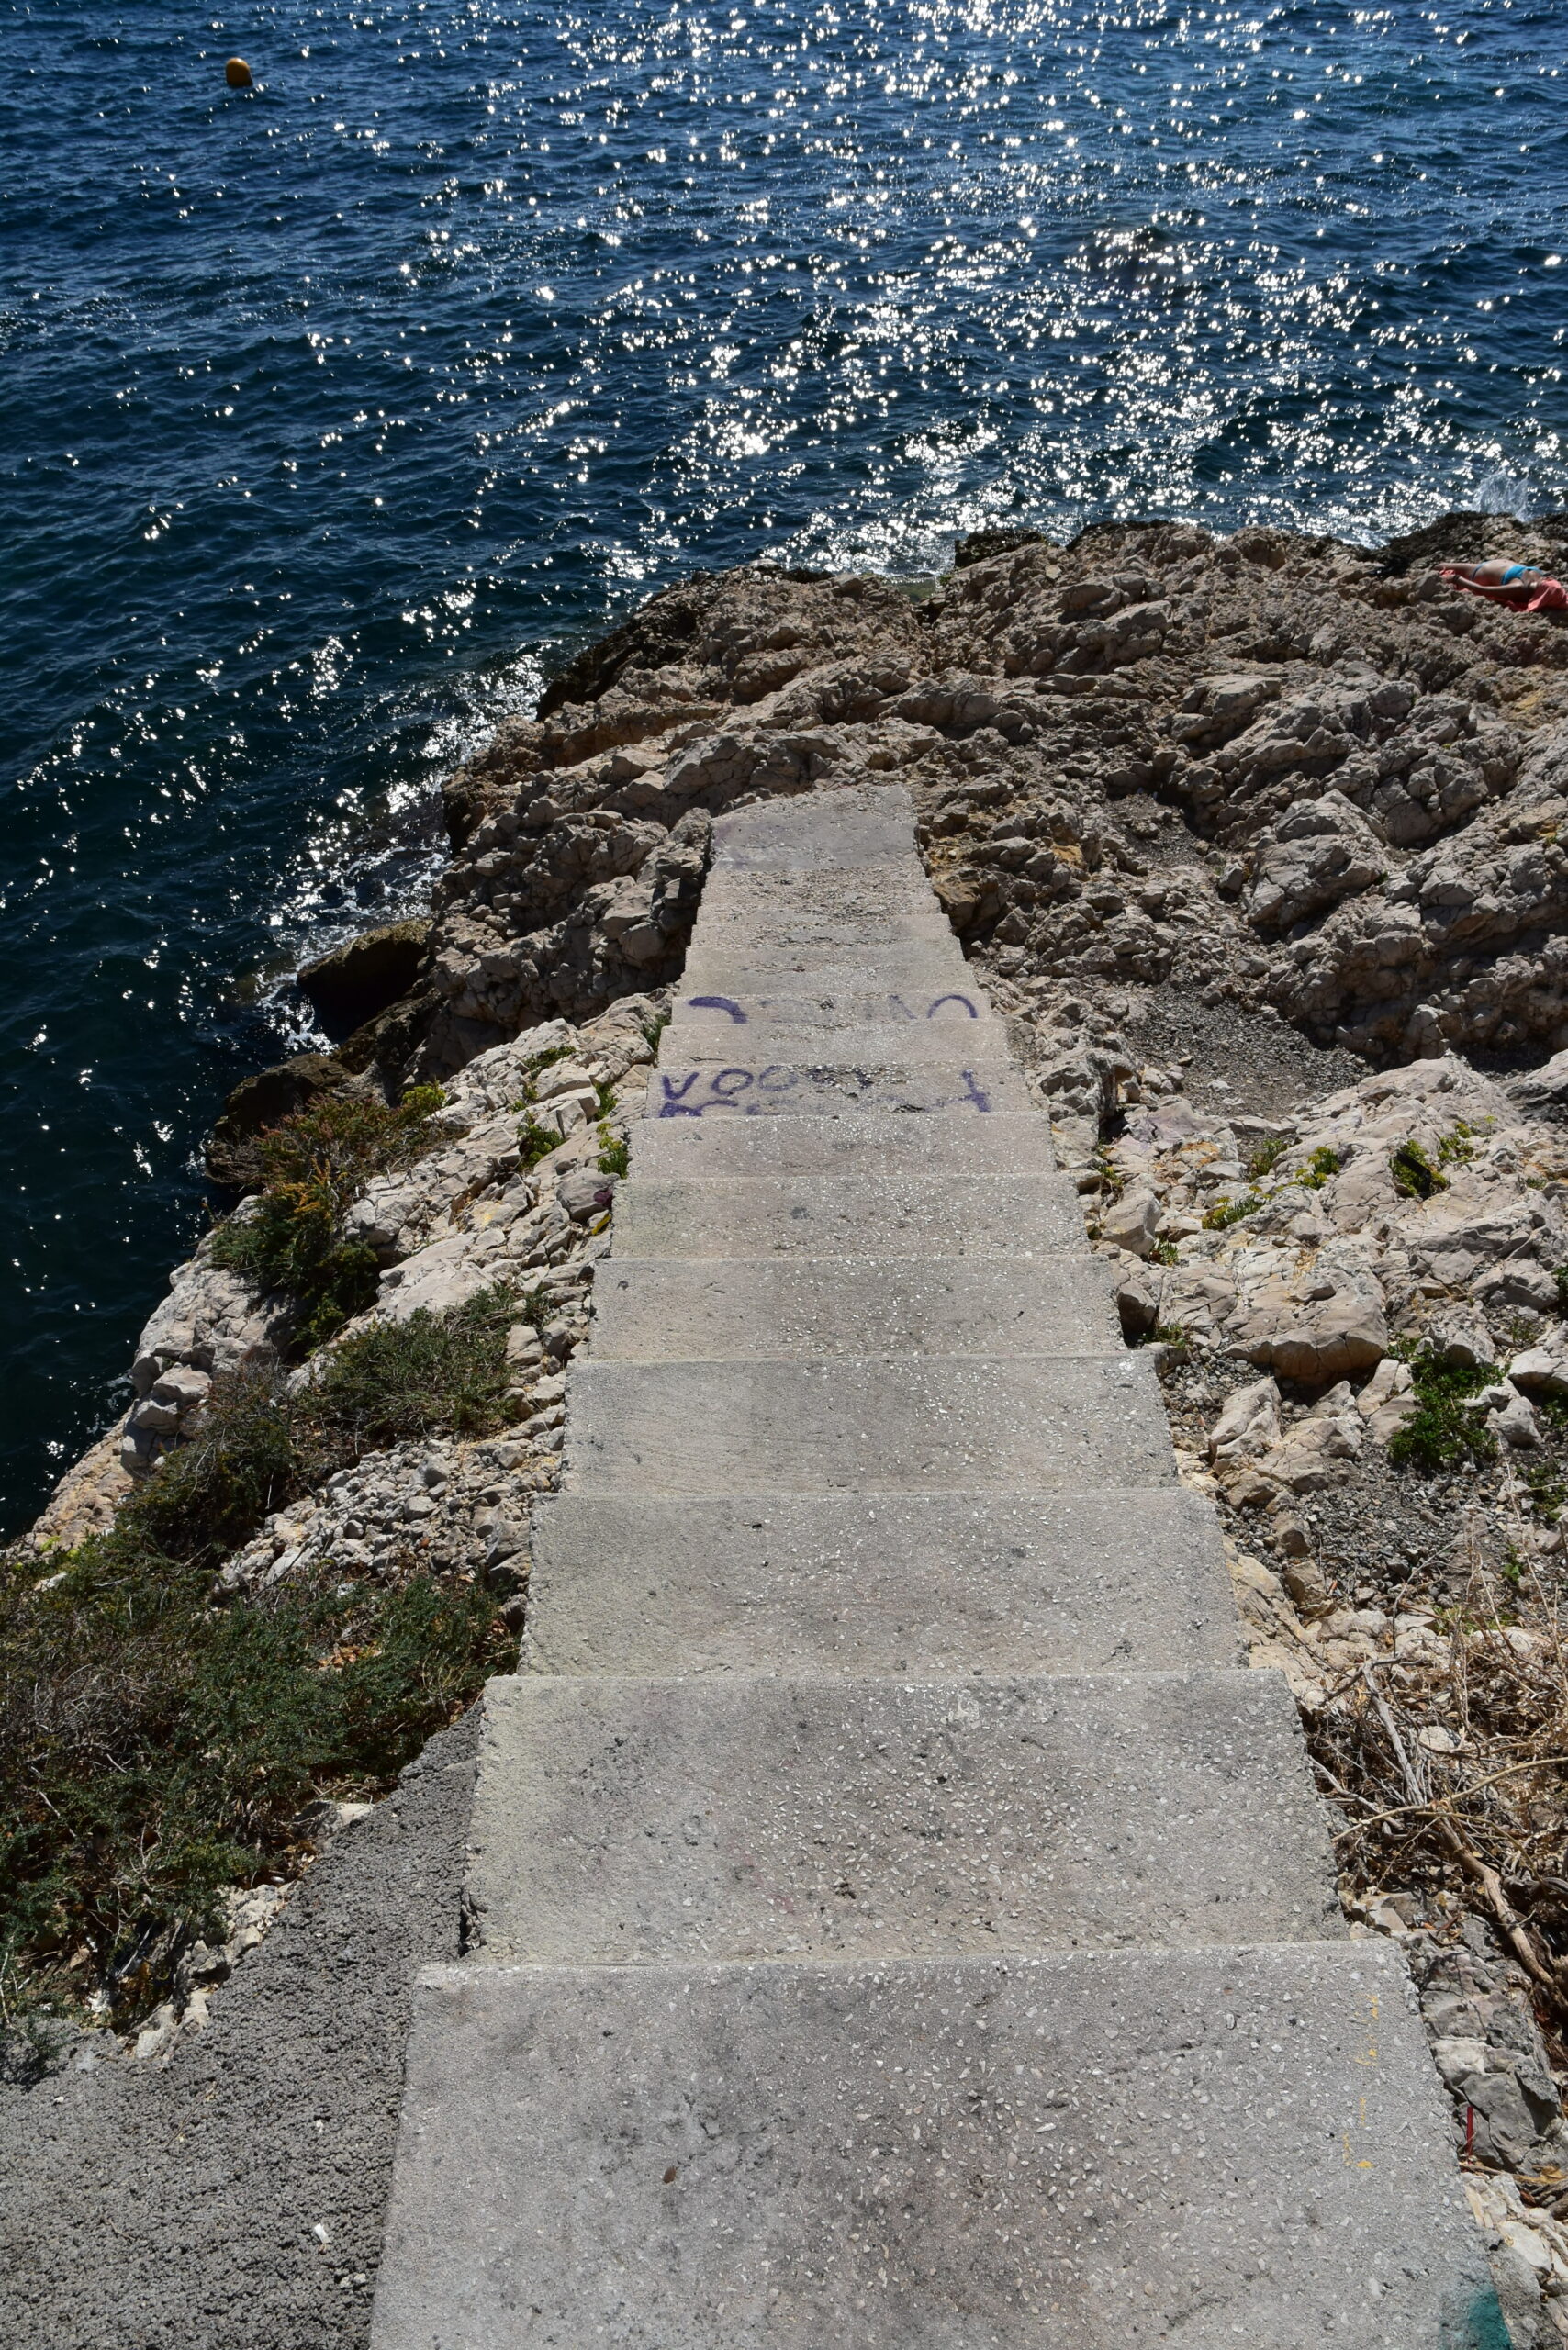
926, 1425
853, 826
1099, 1581
903, 1043
867, 858
648, 1308
858, 1004
1094, 2150
743, 932
848, 1216
619, 1820
837, 898
1005, 1143
916, 963
830, 1086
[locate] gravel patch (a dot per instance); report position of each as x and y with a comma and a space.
1249, 1062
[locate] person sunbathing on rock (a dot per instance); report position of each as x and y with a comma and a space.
1522, 585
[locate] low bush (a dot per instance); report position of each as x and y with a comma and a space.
1232, 1211
158, 1748
315, 1165
1548, 1490
1415, 1177
1323, 1163
533, 1069
1264, 1157
614, 1152
535, 1142
155, 1747
1112, 1183
1441, 1434
255, 1451
399, 1381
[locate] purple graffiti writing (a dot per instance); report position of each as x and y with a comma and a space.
693, 1093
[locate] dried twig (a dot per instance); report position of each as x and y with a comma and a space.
1469, 1860
1441, 1807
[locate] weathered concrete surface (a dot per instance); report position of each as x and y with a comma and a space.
653, 1308
897, 966
737, 921
910, 1044
1005, 1143
993, 1584
930, 1424
621, 1820
1085, 2152
931, 1217
855, 1001
806, 1085
846, 889
872, 825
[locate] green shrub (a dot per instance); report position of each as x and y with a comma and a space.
155, 1747
1415, 1177
653, 1027
534, 1068
614, 1152
1227, 1212
1112, 1183
1441, 1434
1456, 1146
1264, 1157
1323, 1164
400, 1382
1548, 1490
314, 1167
254, 1453
535, 1142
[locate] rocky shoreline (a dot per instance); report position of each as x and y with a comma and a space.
1262, 846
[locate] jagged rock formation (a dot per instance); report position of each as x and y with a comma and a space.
1286, 771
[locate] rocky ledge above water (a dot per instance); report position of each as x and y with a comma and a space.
1274, 771
1256, 842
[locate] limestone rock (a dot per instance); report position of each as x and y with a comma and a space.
1540, 1370
1129, 1222
1388, 1399
352, 983
1320, 1327
1249, 1424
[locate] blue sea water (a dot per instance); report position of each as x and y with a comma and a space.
331, 411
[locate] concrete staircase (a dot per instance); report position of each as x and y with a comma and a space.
901, 1923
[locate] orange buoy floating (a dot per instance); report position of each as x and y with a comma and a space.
237, 74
